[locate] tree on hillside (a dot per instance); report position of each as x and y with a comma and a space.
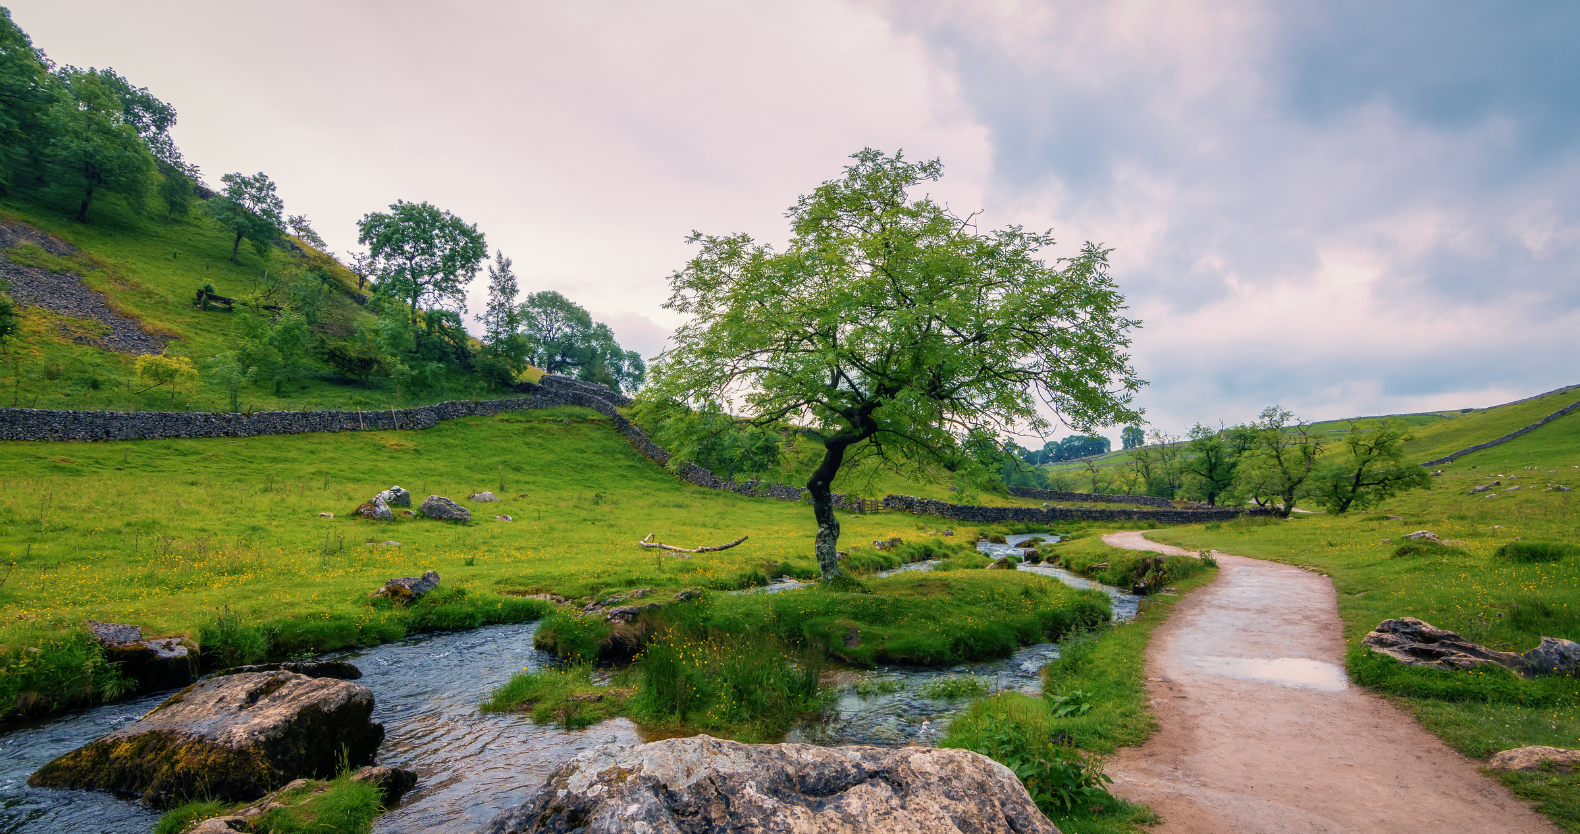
299, 226
92, 149
424, 256
1214, 458
1369, 468
178, 188
28, 95
562, 338
1282, 457
249, 208
1132, 437
500, 318
896, 329
8, 322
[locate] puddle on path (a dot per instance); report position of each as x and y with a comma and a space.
1297, 672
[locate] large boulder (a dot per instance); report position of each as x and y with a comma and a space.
438, 506
409, 588
374, 508
396, 497
338, 669
162, 663
232, 738
722, 787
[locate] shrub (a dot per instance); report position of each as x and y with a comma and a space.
751, 685
1527, 552
229, 641
1059, 778
1425, 547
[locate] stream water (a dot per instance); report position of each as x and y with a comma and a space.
470, 765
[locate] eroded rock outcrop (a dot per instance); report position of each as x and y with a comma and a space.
233, 737
1418, 643
163, 663
722, 787
374, 508
396, 497
1535, 758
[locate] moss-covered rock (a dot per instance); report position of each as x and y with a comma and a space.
232, 738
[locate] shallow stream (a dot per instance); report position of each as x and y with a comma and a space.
470, 765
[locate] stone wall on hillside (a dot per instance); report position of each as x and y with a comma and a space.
1095, 497
552, 391
995, 515
1568, 409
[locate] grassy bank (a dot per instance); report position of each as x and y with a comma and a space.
1094, 702
335, 806
1476, 585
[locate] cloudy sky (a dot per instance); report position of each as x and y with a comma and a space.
1347, 207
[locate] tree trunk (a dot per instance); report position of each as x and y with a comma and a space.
820, 485
82, 210
235, 247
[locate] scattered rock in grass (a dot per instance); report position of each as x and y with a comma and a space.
231, 738
503, 518
1480, 488
1438, 474
326, 515
385, 544
1104, 566
337, 669
627, 613
409, 588
688, 595
396, 497
603, 605
1032, 557
1394, 518
162, 663
482, 497
1533, 758
408, 513
1563, 489
1422, 534
375, 508
726, 787
1387, 541
440, 507
1001, 563
1511, 489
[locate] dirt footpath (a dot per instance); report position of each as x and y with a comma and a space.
1261, 732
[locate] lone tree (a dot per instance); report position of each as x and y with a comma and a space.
424, 256
1367, 468
896, 329
249, 208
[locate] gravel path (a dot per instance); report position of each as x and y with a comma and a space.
68, 296
1261, 732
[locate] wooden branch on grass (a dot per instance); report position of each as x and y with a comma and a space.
647, 542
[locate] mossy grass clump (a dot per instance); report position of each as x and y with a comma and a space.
955, 686
182, 817
1537, 551
572, 637
1425, 547
749, 686
565, 696
41, 672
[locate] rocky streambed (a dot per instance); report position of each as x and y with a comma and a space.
471, 766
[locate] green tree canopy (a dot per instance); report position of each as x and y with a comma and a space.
1131, 437
249, 208
562, 338
28, 94
423, 255
1367, 468
1282, 458
897, 329
92, 148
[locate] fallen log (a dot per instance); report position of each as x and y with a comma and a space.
647, 542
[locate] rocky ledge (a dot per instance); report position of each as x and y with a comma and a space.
703, 784
233, 738
1418, 643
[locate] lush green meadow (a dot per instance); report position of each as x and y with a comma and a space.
1466, 586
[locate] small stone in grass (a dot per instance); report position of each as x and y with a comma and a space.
326, 515
503, 518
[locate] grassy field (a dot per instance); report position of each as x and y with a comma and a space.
1466, 587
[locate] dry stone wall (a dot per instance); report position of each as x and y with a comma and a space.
1037, 515
552, 391
1095, 497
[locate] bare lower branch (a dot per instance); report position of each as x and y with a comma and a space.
646, 542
